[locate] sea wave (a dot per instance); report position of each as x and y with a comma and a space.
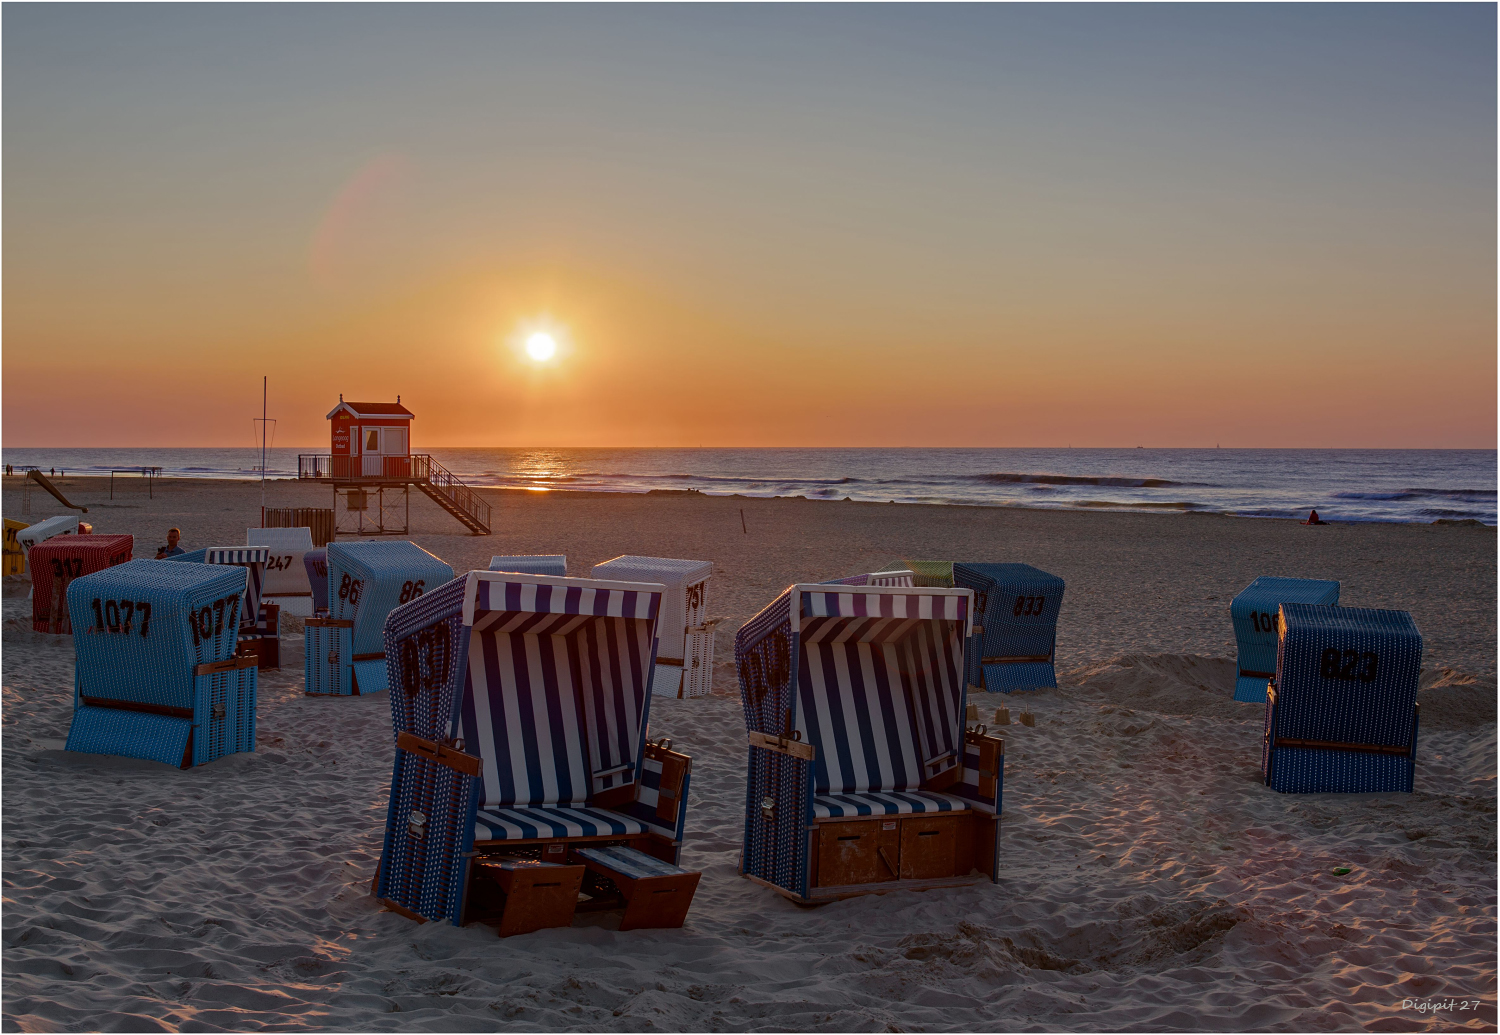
1475, 493
1006, 477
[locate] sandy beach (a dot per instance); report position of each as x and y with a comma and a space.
1150, 881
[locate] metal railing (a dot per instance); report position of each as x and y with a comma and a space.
428, 471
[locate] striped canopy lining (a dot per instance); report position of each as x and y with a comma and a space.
849, 604
554, 704
543, 598
880, 698
880, 578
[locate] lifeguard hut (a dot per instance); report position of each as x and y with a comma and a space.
373, 469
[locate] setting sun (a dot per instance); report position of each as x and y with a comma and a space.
541, 347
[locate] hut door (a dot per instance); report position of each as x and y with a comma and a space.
371, 467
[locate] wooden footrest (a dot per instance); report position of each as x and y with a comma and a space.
656, 893
533, 894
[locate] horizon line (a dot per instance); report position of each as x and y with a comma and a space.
314, 450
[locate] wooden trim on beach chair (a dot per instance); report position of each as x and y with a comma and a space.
208, 668
1330, 745
786, 746
137, 706
469, 765
1020, 659
330, 623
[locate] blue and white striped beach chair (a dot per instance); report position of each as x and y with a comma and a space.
902, 577
1253, 613
366, 582
532, 563
861, 775
519, 704
1341, 715
157, 676
1015, 625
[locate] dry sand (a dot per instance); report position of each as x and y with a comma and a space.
1150, 881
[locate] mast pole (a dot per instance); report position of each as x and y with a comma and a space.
263, 387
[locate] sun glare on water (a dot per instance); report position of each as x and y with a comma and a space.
541, 347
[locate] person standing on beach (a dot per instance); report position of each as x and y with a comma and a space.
171, 549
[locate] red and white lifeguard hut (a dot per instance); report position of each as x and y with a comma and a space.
371, 440
372, 469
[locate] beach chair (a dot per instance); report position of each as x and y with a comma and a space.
925, 573
57, 561
1341, 714
260, 624
1015, 625
1253, 613
366, 582
316, 563
685, 658
874, 578
532, 564
523, 774
861, 775
286, 582
156, 673
31, 535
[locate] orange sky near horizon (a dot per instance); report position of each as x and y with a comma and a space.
763, 285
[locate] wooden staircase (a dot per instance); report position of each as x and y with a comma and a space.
444, 489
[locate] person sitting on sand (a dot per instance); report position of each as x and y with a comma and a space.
171, 549
1313, 519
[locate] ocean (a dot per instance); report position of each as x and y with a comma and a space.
1342, 484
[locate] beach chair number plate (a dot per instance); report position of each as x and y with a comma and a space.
67, 567
208, 621
279, 563
433, 646
349, 589
1028, 606
411, 590
1349, 664
118, 616
1263, 622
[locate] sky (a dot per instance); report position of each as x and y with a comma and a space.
842, 225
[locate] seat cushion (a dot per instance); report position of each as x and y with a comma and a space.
883, 803
552, 821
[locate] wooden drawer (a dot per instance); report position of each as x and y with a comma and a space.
929, 846
861, 852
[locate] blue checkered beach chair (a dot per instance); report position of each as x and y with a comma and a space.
861, 775
316, 562
1341, 715
1015, 625
252, 558
366, 582
157, 676
532, 563
519, 704
1253, 613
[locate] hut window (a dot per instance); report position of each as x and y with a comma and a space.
372, 444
